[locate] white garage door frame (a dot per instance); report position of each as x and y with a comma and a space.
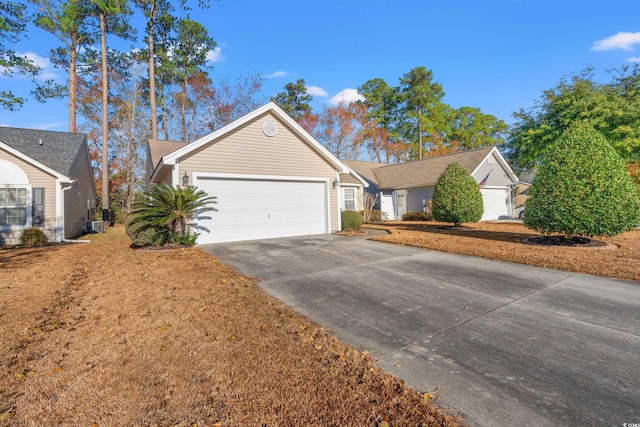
489, 197
200, 176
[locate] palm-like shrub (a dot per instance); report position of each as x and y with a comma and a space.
161, 214
457, 197
582, 188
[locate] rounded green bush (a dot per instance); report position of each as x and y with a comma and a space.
457, 197
582, 188
33, 236
416, 216
351, 220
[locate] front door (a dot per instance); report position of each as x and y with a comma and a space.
401, 203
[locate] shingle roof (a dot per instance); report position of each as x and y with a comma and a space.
58, 149
158, 149
365, 169
346, 178
418, 173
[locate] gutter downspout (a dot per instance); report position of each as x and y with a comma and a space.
63, 238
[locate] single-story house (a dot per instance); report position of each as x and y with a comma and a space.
270, 177
46, 181
404, 187
522, 188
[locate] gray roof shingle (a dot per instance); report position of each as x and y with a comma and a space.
417, 173
58, 149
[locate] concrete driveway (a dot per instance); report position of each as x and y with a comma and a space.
503, 344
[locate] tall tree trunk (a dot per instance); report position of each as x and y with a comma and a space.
163, 112
105, 122
419, 134
73, 87
152, 75
183, 111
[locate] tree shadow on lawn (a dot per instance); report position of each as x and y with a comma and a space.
15, 258
467, 231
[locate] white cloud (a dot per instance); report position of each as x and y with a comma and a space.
634, 59
346, 96
277, 75
215, 55
47, 126
621, 40
47, 69
317, 91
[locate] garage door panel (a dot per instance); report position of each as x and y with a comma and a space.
261, 209
496, 203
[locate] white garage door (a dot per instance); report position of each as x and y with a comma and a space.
496, 203
262, 209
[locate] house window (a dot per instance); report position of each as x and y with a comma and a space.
37, 210
13, 206
401, 200
349, 199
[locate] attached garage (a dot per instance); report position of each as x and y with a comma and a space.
497, 203
270, 177
265, 208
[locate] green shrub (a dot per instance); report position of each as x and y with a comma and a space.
161, 214
582, 188
189, 239
416, 216
457, 197
33, 236
351, 220
146, 235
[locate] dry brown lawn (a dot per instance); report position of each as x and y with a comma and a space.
100, 334
504, 241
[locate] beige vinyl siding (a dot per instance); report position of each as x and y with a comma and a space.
39, 179
249, 151
498, 176
75, 200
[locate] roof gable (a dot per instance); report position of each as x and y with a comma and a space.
271, 108
425, 172
158, 149
55, 151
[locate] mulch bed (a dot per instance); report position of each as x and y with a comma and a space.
574, 242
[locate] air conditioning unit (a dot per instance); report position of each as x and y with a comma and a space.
95, 227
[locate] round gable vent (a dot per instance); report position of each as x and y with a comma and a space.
269, 128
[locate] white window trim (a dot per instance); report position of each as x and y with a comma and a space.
345, 200
29, 213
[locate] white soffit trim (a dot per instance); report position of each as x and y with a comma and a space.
250, 177
37, 164
171, 158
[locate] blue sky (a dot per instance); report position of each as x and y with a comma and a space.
498, 55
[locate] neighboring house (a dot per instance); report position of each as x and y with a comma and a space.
46, 181
271, 178
409, 186
522, 188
